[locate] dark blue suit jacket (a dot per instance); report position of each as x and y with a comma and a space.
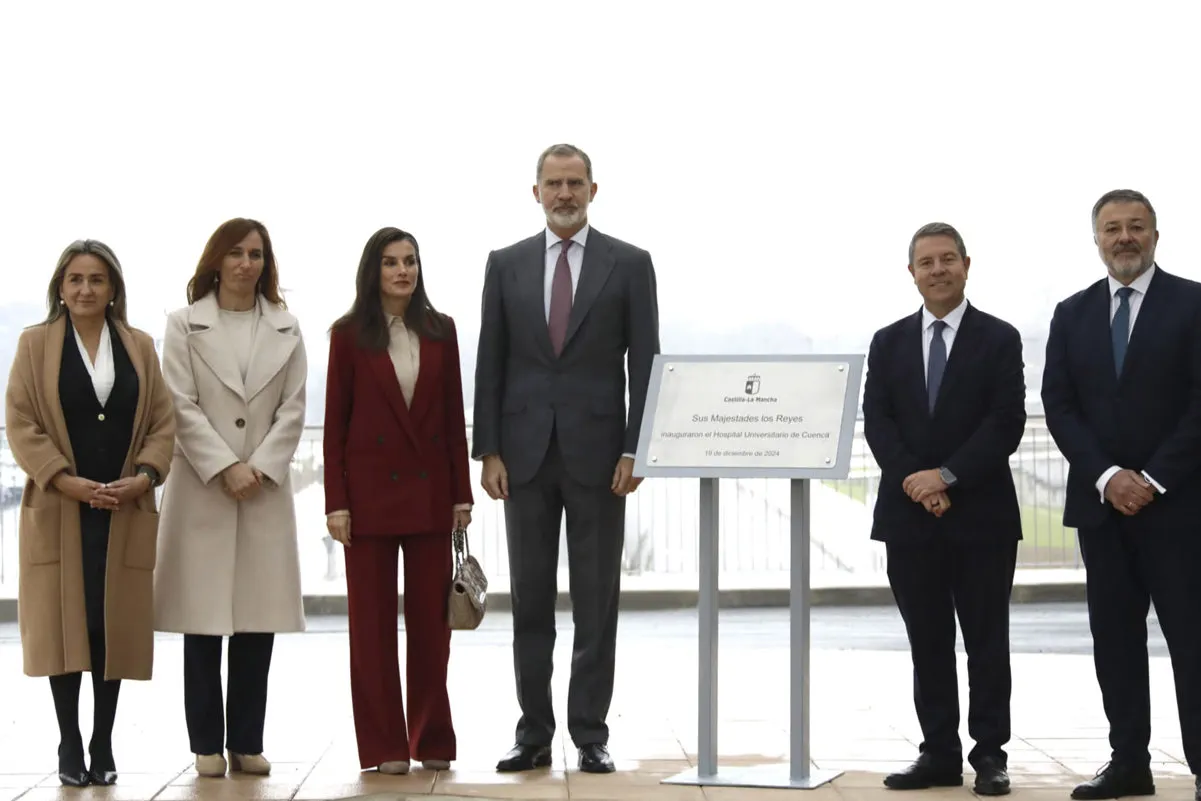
1148, 419
978, 422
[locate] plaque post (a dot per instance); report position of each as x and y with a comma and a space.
707, 604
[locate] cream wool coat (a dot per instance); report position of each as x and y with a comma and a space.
227, 566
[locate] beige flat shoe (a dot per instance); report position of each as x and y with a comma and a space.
254, 764
435, 764
212, 765
395, 768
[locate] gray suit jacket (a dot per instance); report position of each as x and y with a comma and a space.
523, 391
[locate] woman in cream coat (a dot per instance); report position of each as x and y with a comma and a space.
228, 564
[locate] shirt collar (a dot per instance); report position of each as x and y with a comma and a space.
953, 318
580, 238
1139, 284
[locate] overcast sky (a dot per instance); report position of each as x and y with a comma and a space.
773, 157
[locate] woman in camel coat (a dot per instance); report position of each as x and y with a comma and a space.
228, 560
90, 422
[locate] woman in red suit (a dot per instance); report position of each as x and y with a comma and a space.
396, 478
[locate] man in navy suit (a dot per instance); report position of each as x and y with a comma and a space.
943, 410
1122, 392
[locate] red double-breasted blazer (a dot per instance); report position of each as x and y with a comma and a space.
399, 470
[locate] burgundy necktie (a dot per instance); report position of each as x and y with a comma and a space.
560, 300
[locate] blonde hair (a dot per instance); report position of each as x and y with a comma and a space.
101, 251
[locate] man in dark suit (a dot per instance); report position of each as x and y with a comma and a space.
563, 311
943, 410
1122, 392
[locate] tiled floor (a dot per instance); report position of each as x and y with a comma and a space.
862, 722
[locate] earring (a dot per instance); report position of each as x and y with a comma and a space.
62, 302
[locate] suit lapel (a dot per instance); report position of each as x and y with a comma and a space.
1096, 311
966, 341
531, 282
594, 272
52, 359
1146, 326
385, 374
424, 389
911, 353
139, 367
274, 342
210, 345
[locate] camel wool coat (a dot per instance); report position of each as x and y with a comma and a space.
227, 566
51, 611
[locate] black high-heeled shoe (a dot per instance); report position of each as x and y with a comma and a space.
102, 777
71, 770
104, 769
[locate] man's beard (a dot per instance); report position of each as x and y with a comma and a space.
567, 219
1128, 271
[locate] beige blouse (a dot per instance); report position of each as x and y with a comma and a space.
404, 349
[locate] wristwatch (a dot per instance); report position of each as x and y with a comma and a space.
150, 473
947, 476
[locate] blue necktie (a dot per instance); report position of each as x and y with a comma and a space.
1119, 330
938, 362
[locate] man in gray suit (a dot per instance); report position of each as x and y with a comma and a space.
563, 312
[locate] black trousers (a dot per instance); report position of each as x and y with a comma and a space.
595, 538
245, 708
94, 530
1125, 573
932, 582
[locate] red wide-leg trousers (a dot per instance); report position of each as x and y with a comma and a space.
379, 708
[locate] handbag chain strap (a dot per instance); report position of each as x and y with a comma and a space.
462, 549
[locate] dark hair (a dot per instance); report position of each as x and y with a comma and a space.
937, 229
101, 251
366, 315
563, 150
228, 234
1123, 196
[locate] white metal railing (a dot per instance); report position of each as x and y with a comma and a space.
661, 523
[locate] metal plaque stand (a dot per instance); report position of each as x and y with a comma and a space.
677, 427
799, 773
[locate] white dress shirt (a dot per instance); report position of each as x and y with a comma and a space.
953, 319
1139, 285
103, 372
575, 260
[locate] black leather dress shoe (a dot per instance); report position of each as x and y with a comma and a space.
595, 758
525, 757
991, 778
1115, 781
924, 773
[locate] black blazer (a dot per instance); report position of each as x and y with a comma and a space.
523, 391
1147, 419
978, 422
100, 434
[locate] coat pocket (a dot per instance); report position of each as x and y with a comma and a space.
141, 542
41, 534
